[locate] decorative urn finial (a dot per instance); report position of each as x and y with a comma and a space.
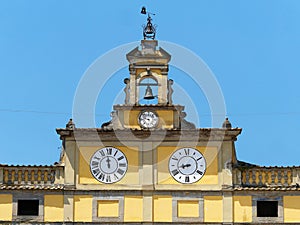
70, 125
226, 124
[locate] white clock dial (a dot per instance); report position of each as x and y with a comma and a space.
108, 165
148, 119
187, 165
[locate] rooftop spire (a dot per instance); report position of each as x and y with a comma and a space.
149, 30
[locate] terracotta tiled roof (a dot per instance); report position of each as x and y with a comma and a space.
32, 187
278, 188
31, 166
242, 164
277, 167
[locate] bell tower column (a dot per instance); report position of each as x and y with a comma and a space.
133, 90
162, 89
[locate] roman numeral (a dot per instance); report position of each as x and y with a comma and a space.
174, 172
187, 151
108, 178
120, 158
200, 172
199, 158
116, 153
109, 151
174, 158
122, 164
102, 152
116, 177
187, 179
101, 176
121, 172
94, 164
96, 172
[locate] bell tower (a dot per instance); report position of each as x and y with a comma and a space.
148, 67
148, 90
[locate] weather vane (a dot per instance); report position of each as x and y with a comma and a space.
149, 30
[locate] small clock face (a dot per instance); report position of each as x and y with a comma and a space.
108, 165
148, 119
187, 165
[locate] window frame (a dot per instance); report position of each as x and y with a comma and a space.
28, 196
261, 204
21, 202
278, 219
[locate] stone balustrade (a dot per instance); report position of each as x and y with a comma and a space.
28, 175
264, 176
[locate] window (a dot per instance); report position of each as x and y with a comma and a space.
267, 208
28, 207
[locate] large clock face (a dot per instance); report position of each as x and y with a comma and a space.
148, 119
187, 165
108, 165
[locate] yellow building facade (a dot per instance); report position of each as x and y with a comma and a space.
149, 165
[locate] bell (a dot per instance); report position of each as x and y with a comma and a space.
148, 93
143, 10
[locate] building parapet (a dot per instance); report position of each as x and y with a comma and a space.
31, 175
256, 176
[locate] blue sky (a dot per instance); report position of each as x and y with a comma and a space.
252, 47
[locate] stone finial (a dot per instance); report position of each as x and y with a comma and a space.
70, 125
226, 124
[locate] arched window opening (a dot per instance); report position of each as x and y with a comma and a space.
148, 91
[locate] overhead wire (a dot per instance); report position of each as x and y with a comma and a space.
246, 114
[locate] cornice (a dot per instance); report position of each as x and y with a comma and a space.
203, 134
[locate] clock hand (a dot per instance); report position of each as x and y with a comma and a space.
185, 165
108, 162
